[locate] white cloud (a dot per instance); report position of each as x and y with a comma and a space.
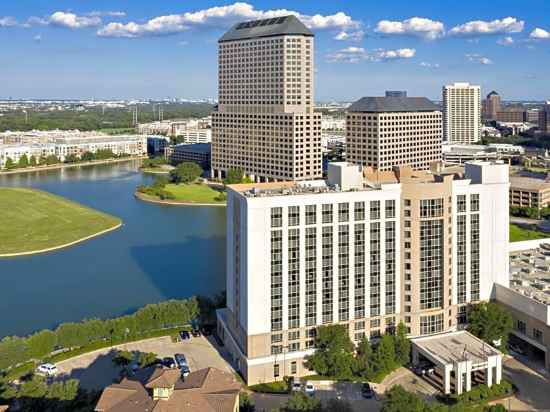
429, 65
480, 27
8, 21
415, 26
107, 14
350, 35
73, 21
356, 54
539, 34
506, 41
37, 38
478, 58
220, 17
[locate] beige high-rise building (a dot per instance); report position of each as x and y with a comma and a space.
383, 132
265, 124
461, 113
491, 106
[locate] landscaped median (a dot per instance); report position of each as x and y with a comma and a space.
519, 234
34, 221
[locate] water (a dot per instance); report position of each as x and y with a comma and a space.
160, 252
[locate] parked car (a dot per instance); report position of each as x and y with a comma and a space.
181, 360
366, 391
517, 349
184, 335
207, 330
47, 369
424, 368
185, 371
309, 388
195, 332
169, 362
296, 385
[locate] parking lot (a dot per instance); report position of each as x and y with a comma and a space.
96, 370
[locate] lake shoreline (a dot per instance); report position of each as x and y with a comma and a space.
151, 199
69, 165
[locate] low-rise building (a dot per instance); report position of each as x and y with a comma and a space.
454, 154
192, 135
529, 192
16, 151
159, 389
120, 145
198, 153
156, 145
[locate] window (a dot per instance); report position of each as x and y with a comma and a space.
276, 349
277, 217
390, 209
375, 323
277, 338
327, 213
276, 370
293, 215
293, 367
294, 335
360, 325
474, 202
359, 210
431, 208
311, 214
537, 334
461, 203
521, 326
294, 347
431, 324
343, 212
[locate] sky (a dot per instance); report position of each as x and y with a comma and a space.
109, 49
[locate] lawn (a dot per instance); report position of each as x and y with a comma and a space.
193, 193
518, 234
33, 220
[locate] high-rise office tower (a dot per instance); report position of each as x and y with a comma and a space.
265, 124
491, 106
363, 249
461, 113
544, 118
383, 132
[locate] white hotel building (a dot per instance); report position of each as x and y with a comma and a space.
365, 249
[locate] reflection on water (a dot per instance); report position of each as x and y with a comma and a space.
161, 252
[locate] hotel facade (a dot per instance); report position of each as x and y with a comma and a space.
366, 249
264, 123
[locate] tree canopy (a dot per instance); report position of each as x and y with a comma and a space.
490, 322
186, 172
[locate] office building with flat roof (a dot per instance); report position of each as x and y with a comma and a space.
461, 113
265, 124
366, 249
491, 106
384, 132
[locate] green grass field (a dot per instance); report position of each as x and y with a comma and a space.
518, 234
193, 193
33, 220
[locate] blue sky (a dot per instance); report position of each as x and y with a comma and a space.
156, 49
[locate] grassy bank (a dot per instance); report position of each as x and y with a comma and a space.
518, 234
33, 220
194, 193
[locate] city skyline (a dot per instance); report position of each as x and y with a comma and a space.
122, 49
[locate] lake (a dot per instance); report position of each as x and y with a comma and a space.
160, 252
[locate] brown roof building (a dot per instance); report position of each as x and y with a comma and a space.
163, 390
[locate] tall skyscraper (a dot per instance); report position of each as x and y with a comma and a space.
363, 249
491, 106
265, 123
544, 118
383, 132
461, 113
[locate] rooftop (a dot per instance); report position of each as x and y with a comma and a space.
528, 183
530, 273
457, 346
277, 26
393, 104
195, 147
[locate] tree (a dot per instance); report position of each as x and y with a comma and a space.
246, 404
9, 164
71, 158
383, 359
32, 161
490, 322
87, 156
300, 402
186, 172
123, 358
398, 399
334, 354
235, 176
23, 161
146, 359
51, 160
402, 345
363, 357
41, 344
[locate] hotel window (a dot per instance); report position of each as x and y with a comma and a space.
294, 335
276, 280
461, 257
431, 324
293, 278
311, 214
293, 367
390, 267
521, 327
474, 202
343, 272
327, 273
359, 261
276, 349
276, 217
276, 370
431, 264
343, 212
461, 203
294, 347
327, 213
277, 338
431, 208
293, 215
474, 257
375, 210
375, 269
360, 325
359, 210
390, 209
311, 275
359, 336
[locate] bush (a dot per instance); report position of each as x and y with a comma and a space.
271, 387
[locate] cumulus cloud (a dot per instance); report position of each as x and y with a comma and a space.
107, 14
350, 35
539, 34
73, 21
8, 21
506, 41
356, 54
429, 65
220, 17
478, 58
37, 38
415, 26
480, 27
